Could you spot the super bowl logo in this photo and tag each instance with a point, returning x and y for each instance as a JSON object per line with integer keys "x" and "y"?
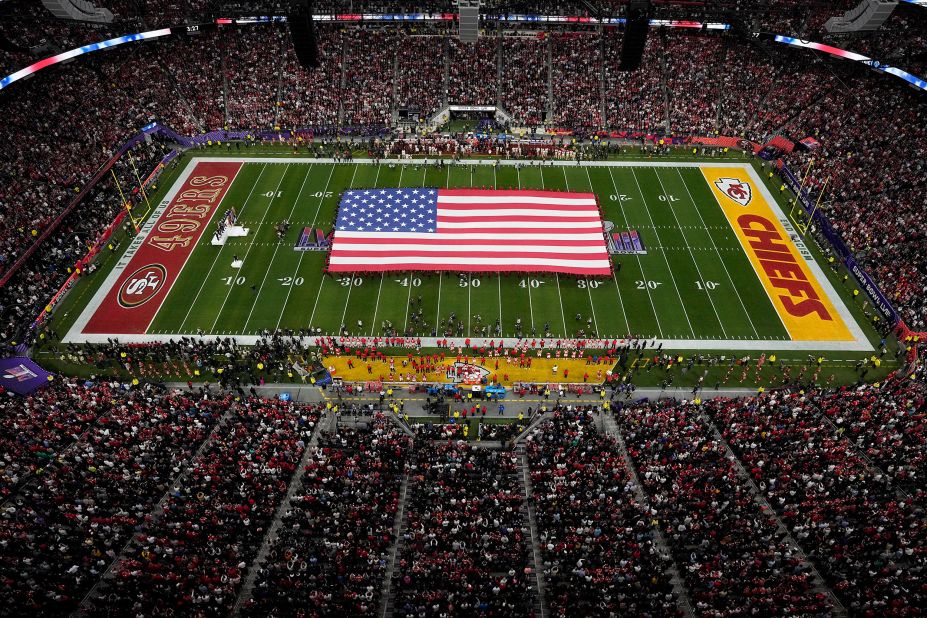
{"x": 142, "y": 286}
{"x": 465, "y": 373}
{"x": 736, "y": 189}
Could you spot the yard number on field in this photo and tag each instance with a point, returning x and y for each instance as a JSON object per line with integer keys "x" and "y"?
{"x": 618, "y": 197}
{"x": 669, "y": 198}
{"x": 290, "y": 281}
{"x": 708, "y": 285}
{"x": 472, "y": 282}
{"x": 234, "y": 280}
{"x": 406, "y": 282}
{"x": 643, "y": 285}
{"x": 530, "y": 283}
{"x": 346, "y": 281}
{"x": 587, "y": 283}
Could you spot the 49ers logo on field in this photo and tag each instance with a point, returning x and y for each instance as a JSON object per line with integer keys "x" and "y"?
{"x": 736, "y": 189}
{"x": 142, "y": 286}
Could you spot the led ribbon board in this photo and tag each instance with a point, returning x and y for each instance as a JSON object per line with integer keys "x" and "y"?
{"x": 915, "y": 81}
{"x": 79, "y": 51}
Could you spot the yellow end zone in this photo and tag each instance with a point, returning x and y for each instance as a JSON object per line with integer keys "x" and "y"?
{"x": 799, "y": 299}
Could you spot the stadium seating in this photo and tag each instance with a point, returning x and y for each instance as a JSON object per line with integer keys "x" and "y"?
{"x": 87, "y": 471}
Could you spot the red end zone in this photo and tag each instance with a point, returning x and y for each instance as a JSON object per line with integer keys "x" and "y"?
{"x": 135, "y": 297}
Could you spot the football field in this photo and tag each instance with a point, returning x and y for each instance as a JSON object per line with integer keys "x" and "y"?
{"x": 719, "y": 266}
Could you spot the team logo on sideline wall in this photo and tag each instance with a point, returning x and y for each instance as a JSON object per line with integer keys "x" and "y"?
{"x": 142, "y": 286}
{"x": 738, "y": 190}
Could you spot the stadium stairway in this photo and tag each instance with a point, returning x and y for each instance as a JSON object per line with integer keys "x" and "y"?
{"x": 330, "y": 423}
{"x": 820, "y": 587}
{"x": 534, "y": 556}
{"x": 682, "y": 597}
{"x": 391, "y": 579}
{"x": 155, "y": 514}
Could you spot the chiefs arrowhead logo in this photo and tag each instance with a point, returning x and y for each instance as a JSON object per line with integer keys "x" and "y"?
{"x": 738, "y": 190}
{"x": 142, "y": 286}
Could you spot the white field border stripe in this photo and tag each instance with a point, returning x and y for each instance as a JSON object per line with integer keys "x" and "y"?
{"x": 509, "y": 342}
{"x": 451, "y": 163}
{"x": 835, "y": 299}
{"x": 90, "y": 309}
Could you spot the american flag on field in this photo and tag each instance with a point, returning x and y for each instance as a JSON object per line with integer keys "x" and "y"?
{"x": 469, "y": 230}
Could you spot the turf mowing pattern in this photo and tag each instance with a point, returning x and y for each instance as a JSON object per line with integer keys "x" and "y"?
{"x": 695, "y": 283}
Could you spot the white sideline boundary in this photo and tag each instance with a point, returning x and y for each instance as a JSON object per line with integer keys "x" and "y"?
{"x": 859, "y": 344}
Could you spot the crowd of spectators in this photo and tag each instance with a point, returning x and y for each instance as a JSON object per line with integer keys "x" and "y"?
{"x": 472, "y": 77}
{"x": 728, "y": 549}
{"x": 523, "y": 88}
{"x": 193, "y": 554}
{"x": 84, "y": 466}
{"x": 597, "y": 541}
{"x": 465, "y": 544}
{"x": 331, "y": 550}
{"x": 865, "y": 534}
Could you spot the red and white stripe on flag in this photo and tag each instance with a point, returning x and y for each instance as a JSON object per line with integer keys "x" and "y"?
{"x": 469, "y": 230}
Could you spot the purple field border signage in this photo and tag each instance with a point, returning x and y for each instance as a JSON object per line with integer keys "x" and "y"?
{"x": 21, "y": 375}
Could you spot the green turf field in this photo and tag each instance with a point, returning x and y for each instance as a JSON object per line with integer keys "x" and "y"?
{"x": 695, "y": 286}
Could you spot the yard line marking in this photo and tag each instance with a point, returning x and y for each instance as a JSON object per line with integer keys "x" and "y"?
{"x": 405, "y": 321}
{"x": 723, "y": 264}
{"x": 319, "y": 293}
{"x": 566, "y": 333}
{"x": 595, "y": 321}
{"x": 469, "y": 279}
{"x": 215, "y": 260}
{"x": 640, "y": 265}
{"x": 499, "y": 281}
{"x": 665, "y": 259}
{"x": 614, "y": 277}
{"x": 377, "y": 308}
{"x": 691, "y": 254}
{"x": 347, "y": 300}
{"x": 303, "y": 253}
{"x": 248, "y": 250}
{"x": 274, "y": 256}
{"x": 528, "y": 280}
{"x": 438, "y": 310}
